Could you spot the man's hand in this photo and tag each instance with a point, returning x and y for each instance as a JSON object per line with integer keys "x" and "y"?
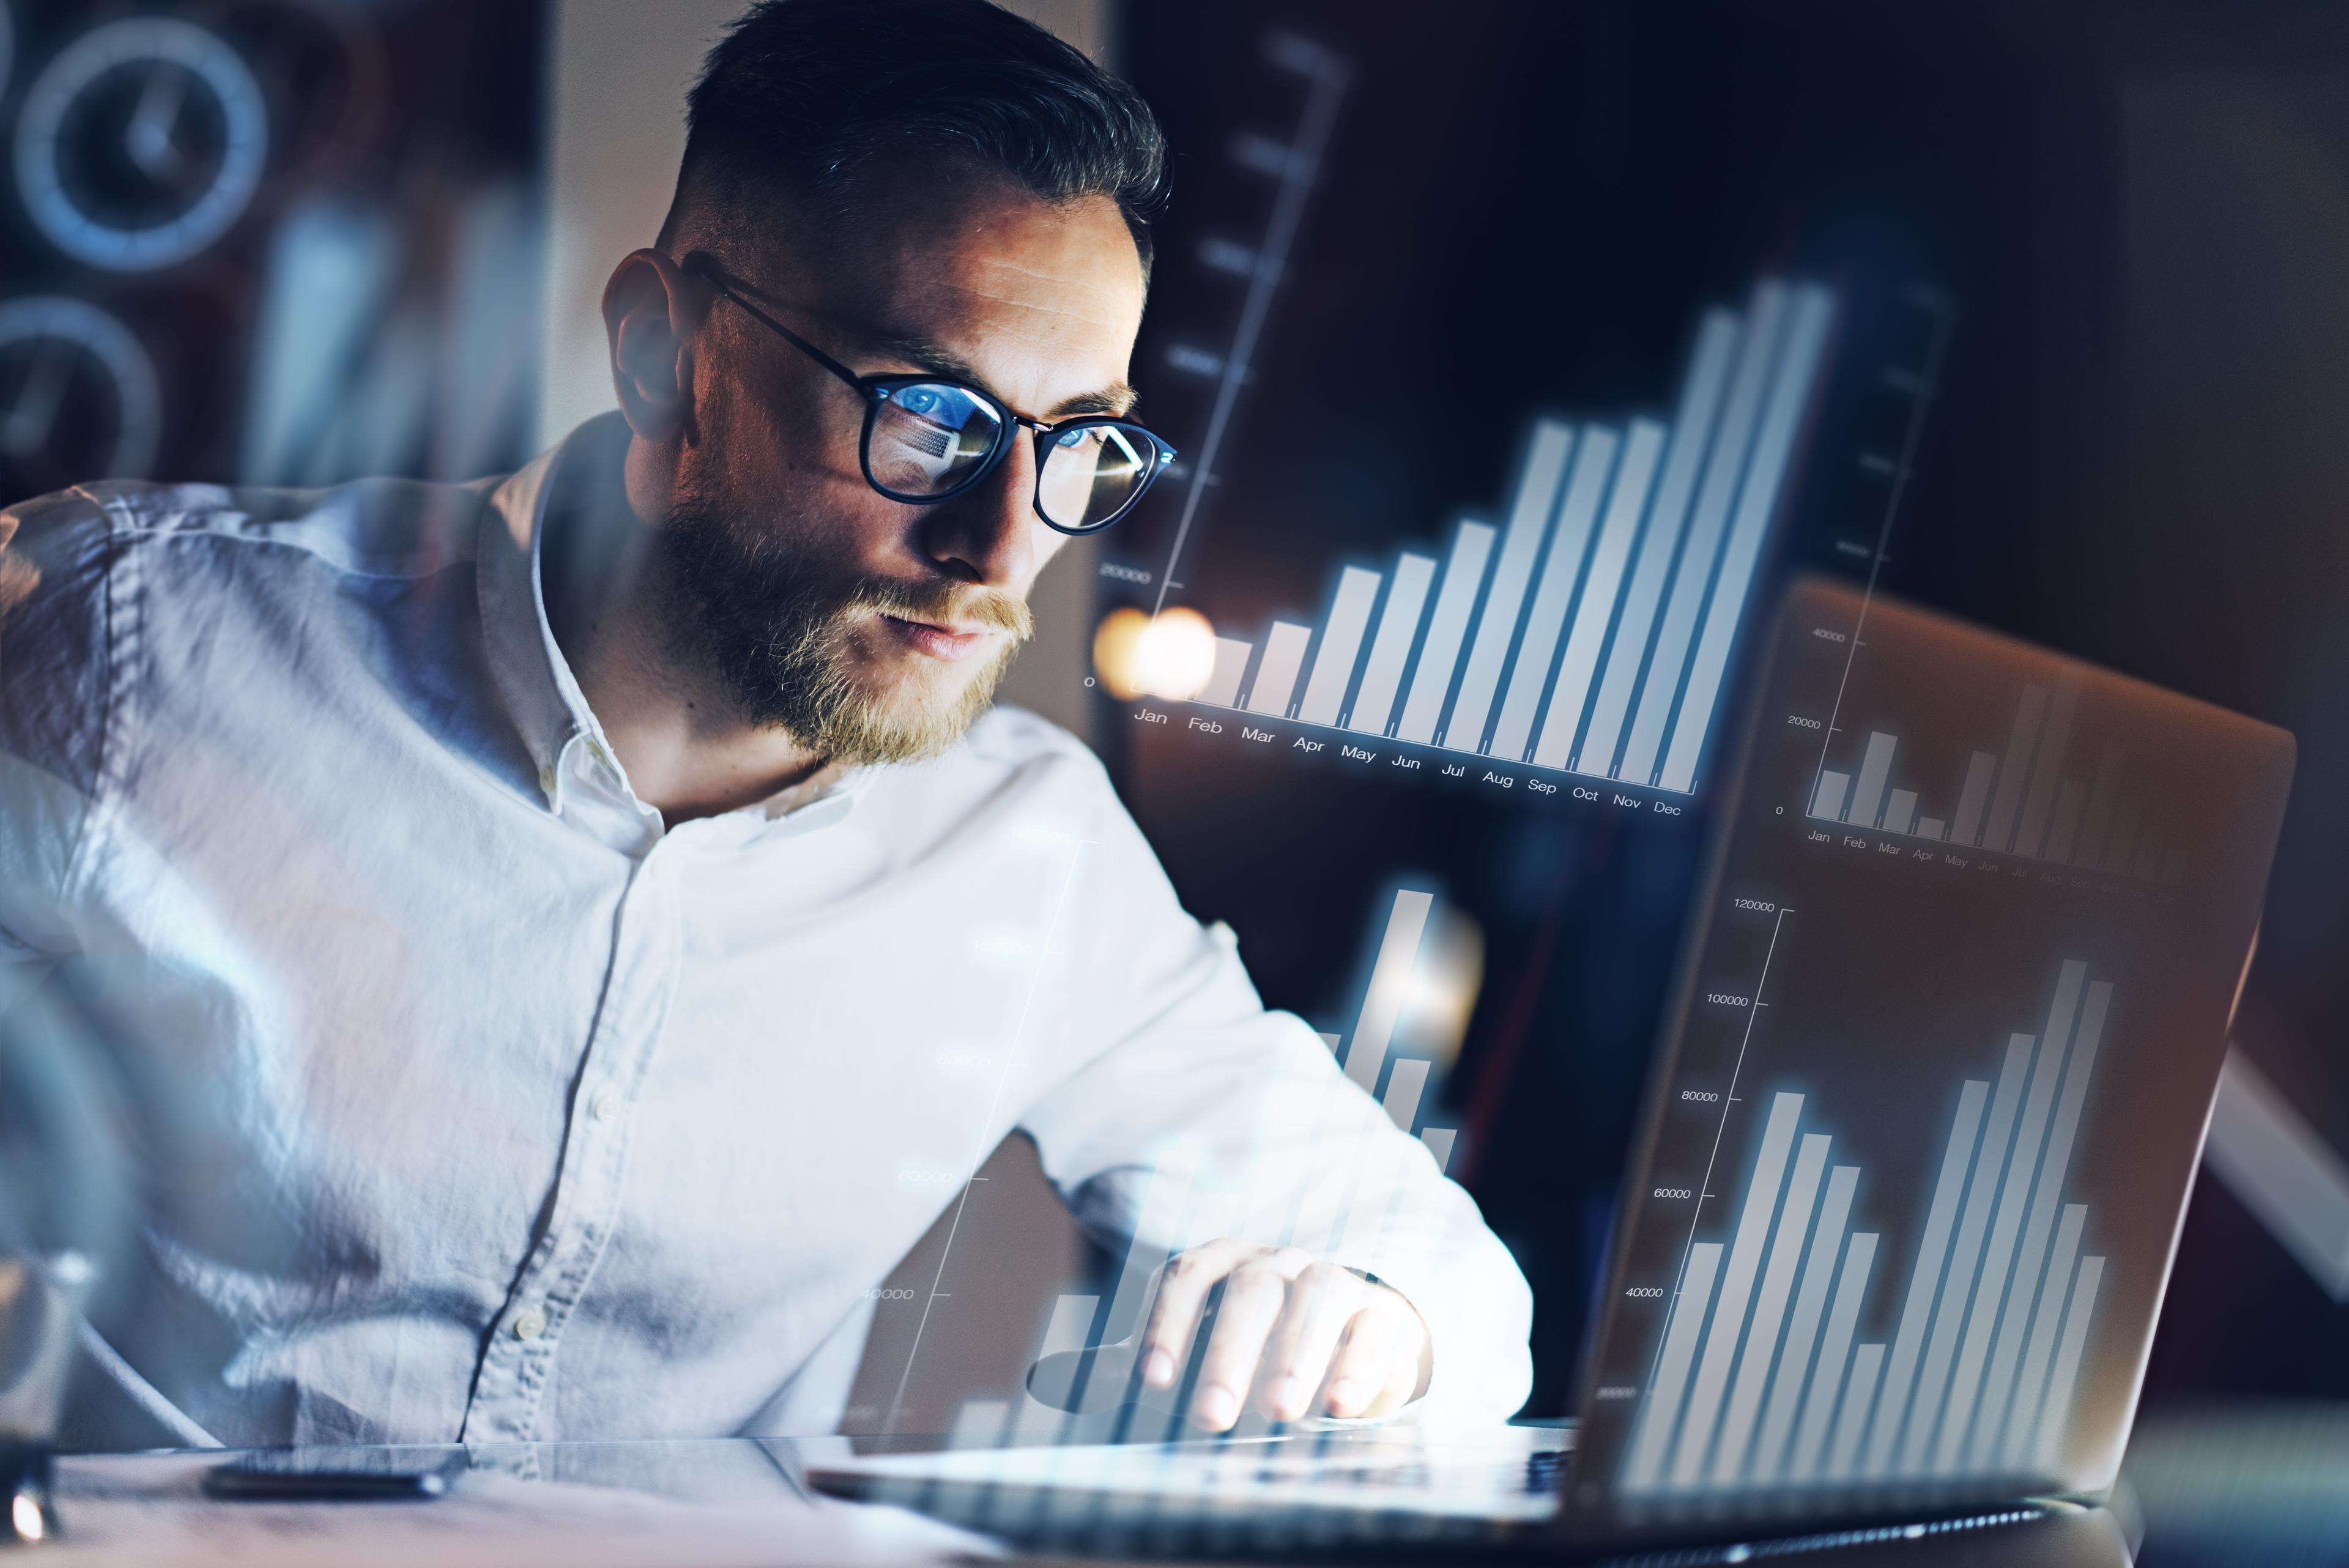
{"x": 1304, "y": 1334}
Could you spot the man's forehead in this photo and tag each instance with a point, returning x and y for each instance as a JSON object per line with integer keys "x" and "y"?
{"x": 1041, "y": 299}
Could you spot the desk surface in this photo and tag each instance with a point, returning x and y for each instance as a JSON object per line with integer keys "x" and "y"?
{"x": 687, "y": 1504}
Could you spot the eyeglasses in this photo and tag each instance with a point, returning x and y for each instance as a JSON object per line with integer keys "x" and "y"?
{"x": 927, "y": 440}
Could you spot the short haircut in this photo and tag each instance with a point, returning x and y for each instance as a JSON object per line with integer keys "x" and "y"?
{"x": 802, "y": 96}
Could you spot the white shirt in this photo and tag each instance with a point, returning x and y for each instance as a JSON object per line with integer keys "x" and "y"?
{"x": 478, "y": 1104}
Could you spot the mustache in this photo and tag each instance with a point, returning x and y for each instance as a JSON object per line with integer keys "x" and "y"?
{"x": 944, "y": 604}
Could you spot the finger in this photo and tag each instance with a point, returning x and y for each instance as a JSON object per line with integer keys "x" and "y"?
{"x": 1297, "y": 1355}
{"x": 1253, "y": 1295}
{"x": 1182, "y": 1294}
{"x": 1381, "y": 1348}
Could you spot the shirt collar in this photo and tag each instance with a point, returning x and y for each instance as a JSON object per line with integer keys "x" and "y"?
{"x": 533, "y": 679}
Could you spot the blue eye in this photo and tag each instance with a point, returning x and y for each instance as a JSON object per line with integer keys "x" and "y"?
{"x": 920, "y": 401}
{"x": 1068, "y": 438}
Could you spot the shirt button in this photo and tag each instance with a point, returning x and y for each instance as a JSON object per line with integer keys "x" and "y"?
{"x": 546, "y": 780}
{"x": 605, "y": 1106}
{"x": 530, "y": 1324}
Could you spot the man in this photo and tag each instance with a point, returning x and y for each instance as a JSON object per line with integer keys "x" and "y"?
{"x": 570, "y": 935}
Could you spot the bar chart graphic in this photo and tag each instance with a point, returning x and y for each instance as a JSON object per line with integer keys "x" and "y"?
{"x": 1397, "y": 978}
{"x": 1766, "y": 1377}
{"x": 1589, "y": 630}
{"x": 2036, "y": 799}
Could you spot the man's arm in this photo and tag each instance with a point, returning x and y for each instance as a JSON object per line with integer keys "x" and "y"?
{"x": 1225, "y": 1135}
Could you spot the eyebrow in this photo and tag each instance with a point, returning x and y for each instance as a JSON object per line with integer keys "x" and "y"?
{"x": 931, "y": 357}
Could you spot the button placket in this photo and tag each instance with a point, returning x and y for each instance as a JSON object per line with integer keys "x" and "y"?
{"x": 518, "y": 1361}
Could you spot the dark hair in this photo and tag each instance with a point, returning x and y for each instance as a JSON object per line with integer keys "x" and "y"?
{"x": 806, "y": 93}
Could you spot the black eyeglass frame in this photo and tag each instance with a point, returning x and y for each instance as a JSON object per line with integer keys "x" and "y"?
{"x": 876, "y": 391}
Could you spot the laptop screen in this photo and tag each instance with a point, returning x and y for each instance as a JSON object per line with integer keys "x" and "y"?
{"x": 1924, "y": 1120}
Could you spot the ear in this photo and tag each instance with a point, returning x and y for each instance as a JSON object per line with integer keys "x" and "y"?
{"x": 650, "y": 312}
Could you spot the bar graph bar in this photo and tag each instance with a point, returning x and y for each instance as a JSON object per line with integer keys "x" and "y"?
{"x": 1594, "y": 465}
{"x": 1820, "y": 1405}
{"x": 2035, "y": 812}
{"x": 2031, "y": 833}
{"x": 2065, "y": 1378}
{"x": 1341, "y": 640}
{"x": 1744, "y": 1407}
{"x": 1389, "y": 987}
{"x": 1925, "y": 1280}
{"x": 1900, "y": 811}
{"x": 1391, "y": 651}
{"x": 2022, "y": 1428}
{"x": 1594, "y": 616}
{"x": 1512, "y": 572}
{"x": 1858, "y": 1406}
{"x": 1724, "y": 468}
{"x": 1828, "y": 799}
{"x": 1981, "y": 1371}
{"x": 1600, "y": 617}
{"x": 1928, "y": 1402}
{"x": 2031, "y": 1259}
{"x": 1659, "y": 1416}
{"x": 1785, "y": 407}
{"x": 1998, "y": 1257}
{"x": 1447, "y": 630}
{"x": 1972, "y": 796}
{"x": 1736, "y": 1291}
{"x": 2019, "y": 746}
{"x": 1276, "y": 673}
{"x": 1405, "y": 1084}
{"x": 1770, "y": 1445}
{"x": 1070, "y": 1327}
{"x": 1393, "y": 982}
{"x": 1867, "y": 791}
{"x": 1223, "y": 687}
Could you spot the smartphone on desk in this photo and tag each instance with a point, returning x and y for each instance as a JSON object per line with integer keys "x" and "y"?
{"x": 336, "y": 1474}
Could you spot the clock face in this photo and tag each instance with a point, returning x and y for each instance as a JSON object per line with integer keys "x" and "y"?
{"x": 140, "y": 143}
{"x": 78, "y": 398}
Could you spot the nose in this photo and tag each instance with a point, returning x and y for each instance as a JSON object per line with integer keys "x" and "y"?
{"x": 988, "y": 537}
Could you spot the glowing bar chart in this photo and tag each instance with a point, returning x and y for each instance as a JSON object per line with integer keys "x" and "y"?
{"x": 1395, "y": 979}
{"x": 2035, "y": 800}
{"x": 1760, "y": 1378}
{"x": 1589, "y": 626}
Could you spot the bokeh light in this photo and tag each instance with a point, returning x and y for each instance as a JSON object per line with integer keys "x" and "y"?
{"x": 1169, "y": 654}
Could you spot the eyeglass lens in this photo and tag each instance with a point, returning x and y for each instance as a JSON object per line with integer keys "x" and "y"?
{"x": 1090, "y": 474}
{"x": 929, "y": 437}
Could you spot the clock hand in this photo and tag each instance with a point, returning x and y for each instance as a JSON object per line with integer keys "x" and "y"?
{"x": 149, "y": 137}
{"x": 26, "y": 427}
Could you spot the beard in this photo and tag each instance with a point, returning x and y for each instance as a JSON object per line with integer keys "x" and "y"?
{"x": 777, "y": 623}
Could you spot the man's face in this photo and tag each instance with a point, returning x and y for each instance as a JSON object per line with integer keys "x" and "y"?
{"x": 871, "y": 629}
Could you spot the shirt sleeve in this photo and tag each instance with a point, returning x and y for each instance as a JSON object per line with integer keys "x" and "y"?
{"x": 1206, "y": 1114}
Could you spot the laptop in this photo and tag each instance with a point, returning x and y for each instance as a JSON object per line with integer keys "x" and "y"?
{"x": 1914, "y": 1155}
